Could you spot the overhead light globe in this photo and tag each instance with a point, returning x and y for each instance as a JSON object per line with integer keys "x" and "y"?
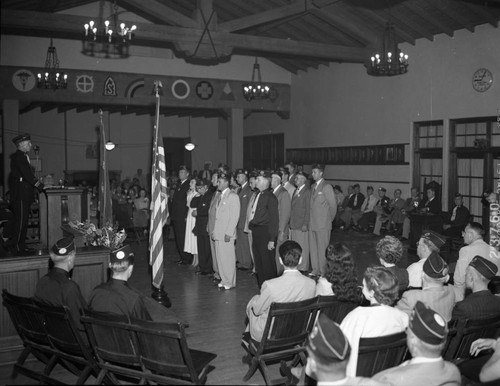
{"x": 109, "y": 145}
{"x": 189, "y": 146}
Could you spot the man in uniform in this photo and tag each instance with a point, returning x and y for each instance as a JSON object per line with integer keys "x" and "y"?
{"x": 323, "y": 211}
{"x": 56, "y": 287}
{"x": 23, "y": 182}
{"x": 429, "y": 242}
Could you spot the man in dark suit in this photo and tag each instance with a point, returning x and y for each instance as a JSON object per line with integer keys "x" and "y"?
{"x": 299, "y": 218}
{"x": 243, "y": 255}
{"x": 458, "y": 218}
{"x": 202, "y": 204}
{"x": 481, "y": 302}
{"x": 22, "y": 192}
{"x": 264, "y": 222}
{"x": 284, "y": 208}
{"x": 432, "y": 204}
{"x": 353, "y": 207}
{"x": 178, "y": 214}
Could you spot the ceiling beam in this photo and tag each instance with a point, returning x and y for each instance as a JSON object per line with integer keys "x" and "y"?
{"x": 69, "y": 26}
{"x": 296, "y": 8}
{"x": 418, "y": 28}
{"x": 451, "y": 12}
{"x": 482, "y": 12}
{"x": 415, "y": 7}
{"x": 161, "y": 12}
{"x": 383, "y": 22}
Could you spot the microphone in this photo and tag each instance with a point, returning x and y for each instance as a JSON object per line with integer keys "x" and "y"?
{"x": 36, "y": 148}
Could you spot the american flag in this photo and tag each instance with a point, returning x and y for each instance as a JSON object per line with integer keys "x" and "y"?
{"x": 158, "y": 202}
{"x": 105, "y": 207}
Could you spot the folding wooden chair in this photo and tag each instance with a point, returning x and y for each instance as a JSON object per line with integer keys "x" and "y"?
{"x": 284, "y": 338}
{"x": 335, "y": 309}
{"x": 468, "y": 331}
{"x": 30, "y": 325}
{"x": 380, "y": 353}
{"x": 166, "y": 357}
{"x": 71, "y": 346}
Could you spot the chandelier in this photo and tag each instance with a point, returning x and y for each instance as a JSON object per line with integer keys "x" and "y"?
{"x": 391, "y": 61}
{"x": 110, "y": 39}
{"x": 256, "y": 89}
{"x": 52, "y": 77}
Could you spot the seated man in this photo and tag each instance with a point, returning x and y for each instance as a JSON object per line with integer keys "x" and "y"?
{"x": 485, "y": 368}
{"x": 426, "y": 337}
{"x": 432, "y": 204}
{"x": 56, "y": 287}
{"x": 353, "y": 207}
{"x": 429, "y": 242}
{"x": 411, "y": 205}
{"x": 366, "y": 216}
{"x": 117, "y": 297}
{"x": 458, "y": 217}
{"x": 383, "y": 211}
{"x": 475, "y": 246}
{"x": 434, "y": 293}
{"x": 291, "y": 286}
{"x": 481, "y": 303}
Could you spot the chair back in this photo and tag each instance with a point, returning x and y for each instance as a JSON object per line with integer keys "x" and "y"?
{"x": 494, "y": 285}
{"x": 164, "y": 350}
{"x": 335, "y": 309}
{"x": 111, "y": 338}
{"x": 468, "y": 331}
{"x": 288, "y": 324}
{"x": 380, "y": 353}
{"x": 27, "y": 318}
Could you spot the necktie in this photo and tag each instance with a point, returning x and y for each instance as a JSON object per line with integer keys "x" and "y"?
{"x": 356, "y": 200}
{"x": 454, "y": 215}
{"x": 27, "y": 157}
{"x": 219, "y": 199}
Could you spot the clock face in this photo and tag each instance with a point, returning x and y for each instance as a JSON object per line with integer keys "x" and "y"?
{"x": 482, "y": 80}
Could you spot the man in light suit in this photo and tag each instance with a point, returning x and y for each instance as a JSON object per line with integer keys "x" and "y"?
{"x": 211, "y": 225}
{"x": 323, "y": 211}
{"x": 264, "y": 222}
{"x": 425, "y": 337}
{"x": 292, "y": 286}
{"x": 243, "y": 255}
{"x": 227, "y": 214}
{"x": 252, "y": 182}
{"x": 287, "y": 183}
{"x": 299, "y": 218}
{"x": 284, "y": 208}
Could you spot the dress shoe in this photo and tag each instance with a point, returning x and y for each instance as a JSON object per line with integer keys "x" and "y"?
{"x": 225, "y": 288}
{"x": 220, "y": 285}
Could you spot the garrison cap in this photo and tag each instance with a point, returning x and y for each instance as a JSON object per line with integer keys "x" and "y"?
{"x": 428, "y": 325}
{"x": 124, "y": 253}
{"x": 327, "y": 341}
{"x": 20, "y": 138}
{"x": 435, "y": 238}
{"x": 484, "y": 267}
{"x": 63, "y": 247}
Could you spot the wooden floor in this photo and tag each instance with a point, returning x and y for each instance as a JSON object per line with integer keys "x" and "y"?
{"x": 216, "y": 318}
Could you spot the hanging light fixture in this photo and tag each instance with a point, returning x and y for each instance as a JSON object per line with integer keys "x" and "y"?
{"x": 189, "y": 146}
{"x": 110, "y": 39}
{"x": 110, "y": 145}
{"x": 391, "y": 61}
{"x": 52, "y": 77}
{"x": 256, "y": 89}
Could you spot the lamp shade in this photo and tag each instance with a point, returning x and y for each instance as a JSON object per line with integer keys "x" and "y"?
{"x": 109, "y": 145}
{"x": 189, "y": 146}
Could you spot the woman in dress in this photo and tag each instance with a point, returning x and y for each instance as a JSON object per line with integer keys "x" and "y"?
{"x": 380, "y": 288}
{"x": 190, "y": 242}
{"x": 141, "y": 210}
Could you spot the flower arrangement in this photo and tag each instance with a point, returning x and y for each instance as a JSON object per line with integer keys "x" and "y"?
{"x": 108, "y": 236}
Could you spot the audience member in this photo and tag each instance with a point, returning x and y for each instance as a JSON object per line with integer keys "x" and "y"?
{"x": 382, "y": 210}
{"x": 323, "y": 211}
{"x": 457, "y": 218}
{"x": 475, "y": 246}
{"x": 342, "y": 207}
{"x": 201, "y": 205}
{"x": 291, "y": 286}
{"x": 141, "y": 213}
{"x": 429, "y": 242}
{"x": 353, "y": 208}
{"x": 426, "y": 338}
{"x": 481, "y": 302}
{"x": 389, "y": 252}
{"x": 380, "y": 288}
{"x": 243, "y": 255}
{"x": 366, "y": 214}
{"x": 264, "y": 223}
{"x": 56, "y": 287}
{"x": 434, "y": 293}
{"x": 490, "y": 364}
{"x": 141, "y": 178}
{"x": 299, "y": 218}
{"x": 411, "y": 206}
{"x": 190, "y": 242}
{"x": 227, "y": 214}
{"x": 431, "y": 204}
{"x": 284, "y": 208}
{"x": 178, "y": 215}
{"x": 340, "y": 277}
{"x": 397, "y": 217}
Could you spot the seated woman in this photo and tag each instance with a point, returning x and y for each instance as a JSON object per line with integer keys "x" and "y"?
{"x": 389, "y": 252}
{"x": 141, "y": 210}
{"x": 340, "y": 275}
{"x": 380, "y": 288}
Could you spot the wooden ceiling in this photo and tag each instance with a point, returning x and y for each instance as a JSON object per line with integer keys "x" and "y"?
{"x": 294, "y": 34}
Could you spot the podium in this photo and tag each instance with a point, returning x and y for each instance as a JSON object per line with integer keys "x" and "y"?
{"x": 58, "y": 207}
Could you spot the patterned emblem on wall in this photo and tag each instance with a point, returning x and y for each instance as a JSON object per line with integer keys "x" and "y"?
{"x": 109, "y": 87}
{"x": 23, "y": 80}
{"x": 180, "y": 89}
{"x": 133, "y": 87}
{"x": 204, "y": 90}
{"x": 84, "y": 83}
{"x": 227, "y": 93}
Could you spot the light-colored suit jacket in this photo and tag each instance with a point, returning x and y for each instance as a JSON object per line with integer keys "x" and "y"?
{"x": 440, "y": 299}
{"x": 323, "y": 207}
{"x": 244, "y": 196}
{"x": 284, "y": 208}
{"x": 290, "y": 188}
{"x": 291, "y": 286}
{"x": 301, "y": 208}
{"x": 227, "y": 214}
{"x": 417, "y": 374}
{"x": 211, "y": 212}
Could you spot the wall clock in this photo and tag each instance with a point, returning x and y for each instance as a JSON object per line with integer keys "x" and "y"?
{"x": 482, "y": 80}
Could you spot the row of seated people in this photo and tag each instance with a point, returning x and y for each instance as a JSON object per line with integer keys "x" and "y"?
{"x": 360, "y": 212}
{"x": 131, "y": 209}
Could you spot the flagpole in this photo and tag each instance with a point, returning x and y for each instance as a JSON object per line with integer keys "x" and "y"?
{"x": 159, "y": 209}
